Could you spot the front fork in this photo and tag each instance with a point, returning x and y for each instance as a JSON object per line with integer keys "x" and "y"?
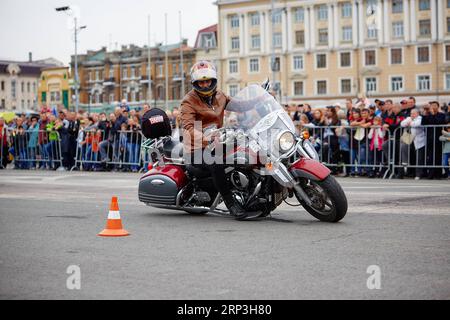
{"x": 303, "y": 168}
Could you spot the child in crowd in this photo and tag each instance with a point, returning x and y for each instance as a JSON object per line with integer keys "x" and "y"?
{"x": 376, "y": 138}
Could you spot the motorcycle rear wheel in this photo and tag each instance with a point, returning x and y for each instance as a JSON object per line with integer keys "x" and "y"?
{"x": 329, "y": 203}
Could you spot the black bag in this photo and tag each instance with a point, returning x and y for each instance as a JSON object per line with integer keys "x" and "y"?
{"x": 156, "y": 124}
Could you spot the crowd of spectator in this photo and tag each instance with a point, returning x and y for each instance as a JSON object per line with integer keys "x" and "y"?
{"x": 365, "y": 137}
{"x": 354, "y": 140}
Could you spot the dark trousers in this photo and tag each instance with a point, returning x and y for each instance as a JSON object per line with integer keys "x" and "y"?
{"x": 434, "y": 158}
{"x": 215, "y": 170}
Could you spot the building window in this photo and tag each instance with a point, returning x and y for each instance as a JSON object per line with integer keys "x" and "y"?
{"x": 208, "y": 41}
{"x": 174, "y": 70}
{"x": 447, "y": 81}
{"x": 321, "y": 87}
{"x": 322, "y": 12}
{"x": 234, "y": 21}
{"x": 34, "y": 87}
{"x": 396, "y": 56}
{"x": 276, "y": 16}
{"x": 423, "y": 54}
{"x": 13, "y": 89}
{"x": 371, "y": 85}
{"x": 425, "y": 27}
{"x": 346, "y": 85}
{"x": 22, "y": 87}
{"x": 346, "y": 60}
{"x": 235, "y": 43}
{"x": 397, "y": 29}
{"x": 298, "y": 88}
{"x": 448, "y": 4}
{"x": 233, "y": 90}
{"x": 300, "y": 38}
{"x": 347, "y": 34}
{"x": 424, "y": 83}
{"x": 28, "y": 87}
{"x": 111, "y": 72}
{"x": 370, "y": 57}
{"x": 233, "y": 66}
{"x": 254, "y": 19}
{"x": 3, "y": 85}
{"x": 254, "y": 65}
{"x": 3, "y": 105}
{"x": 372, "y": 32}
{"x": 346, "y": 10}
{"x": 397, "y": 6}
{"x": 298, "y": 63}
{"x": 321, "y": 61}
{"x": 256, "y": 41}
{"x": 447, "y": 53}
{"x": 160, "y": 70}
{"x": 55, "y": 96}
{"x": 277, "y": 40}
{"x": 323, "y": 36}
{"x": 396, "y": 84}
{"x": 125, "y": 73}
{"x": 275, "y": 64}
{"x": 448, "y": 25}
{"x": 299, "y": 15}
{"x": 111, "y": 98}
{"x": 424, "y": 4}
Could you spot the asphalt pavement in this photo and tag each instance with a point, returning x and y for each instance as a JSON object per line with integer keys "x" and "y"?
{"x": 394, "y": 243}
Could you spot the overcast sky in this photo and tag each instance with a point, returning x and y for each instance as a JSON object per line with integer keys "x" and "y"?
{"x": 35, "y": 26}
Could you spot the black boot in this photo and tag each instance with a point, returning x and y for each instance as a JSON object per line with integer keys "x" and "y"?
{"x": 236, "y": 209}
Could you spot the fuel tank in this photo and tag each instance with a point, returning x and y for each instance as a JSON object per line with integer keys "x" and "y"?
{"x": 161, "y": 185}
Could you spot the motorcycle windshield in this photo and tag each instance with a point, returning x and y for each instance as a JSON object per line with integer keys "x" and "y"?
{"x": 254, "y": 108}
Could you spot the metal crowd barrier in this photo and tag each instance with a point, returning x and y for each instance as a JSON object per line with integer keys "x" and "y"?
{"x": 35, "y": 149}
{"x": 347, "y": 150}
{"x": 418, "y": 151}
{"x": 119, "y": 151}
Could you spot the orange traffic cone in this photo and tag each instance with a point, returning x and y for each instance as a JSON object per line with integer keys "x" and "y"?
{"x": 114, "y": 224}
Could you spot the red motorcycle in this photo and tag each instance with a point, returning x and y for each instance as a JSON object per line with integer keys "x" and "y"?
{"x": 266, "y": 164}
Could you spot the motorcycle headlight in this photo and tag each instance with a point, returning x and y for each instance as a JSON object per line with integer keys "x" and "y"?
{"x": 286, "y": 141}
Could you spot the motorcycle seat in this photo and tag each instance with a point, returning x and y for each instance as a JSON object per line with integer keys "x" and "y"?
{"x": 197, "y": 172}
{"x": 173, "y": 148}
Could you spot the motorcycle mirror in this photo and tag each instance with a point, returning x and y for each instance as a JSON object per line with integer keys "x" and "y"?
{"x": 266, "y": 85}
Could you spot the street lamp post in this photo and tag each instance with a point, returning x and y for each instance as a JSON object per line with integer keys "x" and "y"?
{"x": 76, "y": 30}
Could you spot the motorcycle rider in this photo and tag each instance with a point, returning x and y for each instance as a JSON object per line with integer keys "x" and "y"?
{"x": 205, "y": 106}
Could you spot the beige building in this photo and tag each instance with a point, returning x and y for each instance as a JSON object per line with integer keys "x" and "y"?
{"x": 328, "y": 50}
{"x": 19, "y": 83}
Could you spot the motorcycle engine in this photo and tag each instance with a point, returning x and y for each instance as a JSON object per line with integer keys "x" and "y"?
{"x": 240, "y": 180}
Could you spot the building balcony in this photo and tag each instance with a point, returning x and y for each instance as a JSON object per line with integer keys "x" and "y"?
{"x": 177, "y": 77}
{"x": 144, "y": 80}
{"x": 109, "y": 82}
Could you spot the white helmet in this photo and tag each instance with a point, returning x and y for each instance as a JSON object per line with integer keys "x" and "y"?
{"x": 202, "y": 71}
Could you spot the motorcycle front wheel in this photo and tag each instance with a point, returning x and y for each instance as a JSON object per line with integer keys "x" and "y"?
{"x": 328, "y": 200}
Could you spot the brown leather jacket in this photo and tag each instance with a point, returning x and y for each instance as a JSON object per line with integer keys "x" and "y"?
{"x": 196, "y": 115}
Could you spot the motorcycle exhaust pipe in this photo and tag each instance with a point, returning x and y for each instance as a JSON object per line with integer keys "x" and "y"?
{"x": 195, "y": 210}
